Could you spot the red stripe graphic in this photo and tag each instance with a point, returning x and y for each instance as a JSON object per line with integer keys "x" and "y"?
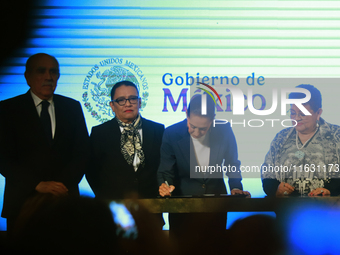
{"x": 213, "y": 90}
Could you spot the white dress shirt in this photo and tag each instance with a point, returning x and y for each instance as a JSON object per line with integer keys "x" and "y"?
{"x": 202, "y": 149}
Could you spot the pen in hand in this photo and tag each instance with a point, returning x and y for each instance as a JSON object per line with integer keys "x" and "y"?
{"x": 167, "y": 184}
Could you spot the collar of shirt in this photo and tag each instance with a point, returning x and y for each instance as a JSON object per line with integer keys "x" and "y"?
{"x": 37, "y": 100}
{"x": 204, "y": 140}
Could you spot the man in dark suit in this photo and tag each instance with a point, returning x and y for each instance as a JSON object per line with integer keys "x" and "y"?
{"x": 43, "y": 139}
{"x": 125, "y": 150}
{"x": 193, "y": 156}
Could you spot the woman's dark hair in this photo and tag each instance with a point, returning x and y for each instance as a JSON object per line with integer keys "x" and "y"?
{"x": 122, "y": 83}
{"x": 195, "y": 107}
{"x": 315, "y": 101}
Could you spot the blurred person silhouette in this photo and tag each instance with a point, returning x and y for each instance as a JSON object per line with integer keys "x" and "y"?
{"x": 256, "y": 234}
{"x": 49, "y": 224}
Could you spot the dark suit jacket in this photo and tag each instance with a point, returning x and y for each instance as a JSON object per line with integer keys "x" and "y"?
{"x": 27, "y": 158}
{"x": 110, "y": 176}
{"x": 178, "y": 160}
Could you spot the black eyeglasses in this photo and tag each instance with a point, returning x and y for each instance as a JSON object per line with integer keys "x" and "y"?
{"x": 294, "y": 114}
{"x": 122, "y": 101}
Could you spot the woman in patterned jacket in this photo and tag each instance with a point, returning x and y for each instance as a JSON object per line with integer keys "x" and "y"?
{"x": 304, "y": 160}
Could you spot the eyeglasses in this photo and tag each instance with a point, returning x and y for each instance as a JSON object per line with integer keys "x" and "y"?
{"x": 122, "y": 101}
{"x": 293, "y": 114}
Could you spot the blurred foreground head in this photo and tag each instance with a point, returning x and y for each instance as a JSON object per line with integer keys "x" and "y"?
{"x": 65, "y": 225}
{"x": 256, "y": 234}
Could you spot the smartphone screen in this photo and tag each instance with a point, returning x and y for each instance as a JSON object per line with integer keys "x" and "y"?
{"x": 126, "y": 226}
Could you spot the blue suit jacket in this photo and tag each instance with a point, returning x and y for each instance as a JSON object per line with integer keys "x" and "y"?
{"x": 178, "y": 160}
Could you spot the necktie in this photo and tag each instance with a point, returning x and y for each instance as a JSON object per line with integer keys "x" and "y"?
{"x": 46, "y": 120}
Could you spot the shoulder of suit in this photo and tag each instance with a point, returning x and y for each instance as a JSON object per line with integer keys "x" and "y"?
{"x": 152, "y": 123}
{"x": 15, "y": 104}
{"x": 60, "y": 98}
{"x": 12, "y": 104}
{"x": 221, "y": 130}
{"x": 106, "y": 124}
{"x": 14, "y": 100}
{"x": 28, "y": 96}
{"x": 177, "y": 125}
{"x": 179, "y": 128}
{"x": 112, "y": 123}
